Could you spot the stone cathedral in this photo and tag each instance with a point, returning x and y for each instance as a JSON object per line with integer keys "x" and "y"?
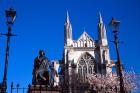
{"x": 81, "y": 57}
{"x": 85, "y": 55}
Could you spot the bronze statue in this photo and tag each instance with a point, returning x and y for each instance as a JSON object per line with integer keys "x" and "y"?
{"x": 40, "y": 71}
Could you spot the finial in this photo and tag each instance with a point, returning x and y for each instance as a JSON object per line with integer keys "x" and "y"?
{"x": 67, "y": 20}
{"x": 67, "y": 13}
{"x": 84, "y": 29}
{"x": 100, "y": 18}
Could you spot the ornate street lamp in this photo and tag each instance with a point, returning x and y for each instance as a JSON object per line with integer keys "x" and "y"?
{"x": 114, "y": 25}
{"x": 10, "y": 15}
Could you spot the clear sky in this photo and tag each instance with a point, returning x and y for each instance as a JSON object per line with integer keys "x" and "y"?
{"x": 40, "y": 25}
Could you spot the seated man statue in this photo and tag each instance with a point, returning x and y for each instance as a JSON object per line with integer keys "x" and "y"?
{"x": 40, "y": 71}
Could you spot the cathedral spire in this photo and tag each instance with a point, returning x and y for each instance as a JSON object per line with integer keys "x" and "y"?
{"x": 68, "y": 31}
{"x": 103, "y": 46}
{"x": 102, "y": 32}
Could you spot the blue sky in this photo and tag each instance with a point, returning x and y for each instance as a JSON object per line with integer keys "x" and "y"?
{"x": 40, "y": 25}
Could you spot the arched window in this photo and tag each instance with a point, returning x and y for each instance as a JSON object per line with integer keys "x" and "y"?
{"x": 85, "y": 69}
{"x": 84, "y": 73}
{"x": 80, "y": 73}
{"x": 86, "y": 65}
{"x": 90, "y": 70}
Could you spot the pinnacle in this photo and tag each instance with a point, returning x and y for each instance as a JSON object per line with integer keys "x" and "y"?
{"x": 100, "y": 18}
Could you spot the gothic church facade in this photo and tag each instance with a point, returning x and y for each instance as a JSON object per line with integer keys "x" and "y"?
{"x": 85, "y": 55}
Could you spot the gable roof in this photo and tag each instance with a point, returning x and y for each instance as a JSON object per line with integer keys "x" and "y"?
{"x": 85, "y": 36}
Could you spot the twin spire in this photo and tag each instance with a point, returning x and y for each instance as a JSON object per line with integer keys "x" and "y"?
{"x": 68, "y": 19}
{"x": 101, "y": 31}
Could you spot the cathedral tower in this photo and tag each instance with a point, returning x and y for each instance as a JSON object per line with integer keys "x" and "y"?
{"x": 103, "y": 47}
{"x": 67, "y": 31}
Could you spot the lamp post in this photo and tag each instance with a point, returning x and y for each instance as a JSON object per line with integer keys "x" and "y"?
{"x": 114, "y": 24}
{"x": 10, "y": 15}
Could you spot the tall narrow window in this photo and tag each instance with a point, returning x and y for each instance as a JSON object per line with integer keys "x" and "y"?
{"x": 80, "y": 74}
{"x": 90, "y": 70}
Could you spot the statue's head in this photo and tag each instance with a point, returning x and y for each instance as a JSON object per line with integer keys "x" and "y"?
{"x": 41, "y": 52}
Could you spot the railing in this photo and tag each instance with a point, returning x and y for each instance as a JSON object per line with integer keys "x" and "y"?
{"x": 48, "y": 89}
{"x": 17, "y": 89}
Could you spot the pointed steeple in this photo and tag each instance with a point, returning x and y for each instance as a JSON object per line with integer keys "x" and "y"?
{"x": 68, "y": 31}
{"x": 103, "y": 46}
{"x": 102, "y": 32}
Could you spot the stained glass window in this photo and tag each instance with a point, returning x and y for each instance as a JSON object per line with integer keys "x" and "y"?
{"x": 86, "y": 65}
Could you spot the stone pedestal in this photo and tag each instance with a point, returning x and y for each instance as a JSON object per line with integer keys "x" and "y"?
{"x": 44, "y": 89}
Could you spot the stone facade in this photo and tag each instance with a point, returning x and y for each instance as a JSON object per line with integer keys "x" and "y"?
{"x": 85, "y": 55}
